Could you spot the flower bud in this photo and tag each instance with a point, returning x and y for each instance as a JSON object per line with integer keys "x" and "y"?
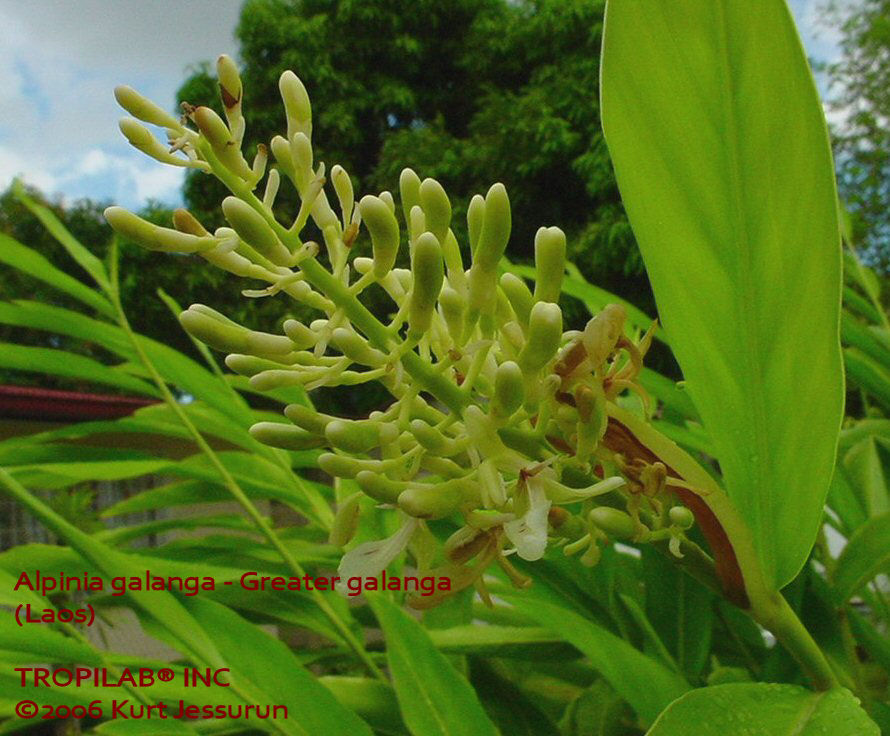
{"x": 282, "y": 153}
{"x": 297, "y": 107}
{"x": 409, "y": 192}
{"x": 356, "y": 348}
{"x": 452, "y": 306}
{"x": 252, "y": 227}
{"x": 141, "y": 139}
{"x": 300, "y": 335}
{"x": 223, "y": 334}
{"x": 602, "y": 333}
{"x": 384, "y": 230}
{"x": 285, "y": 436}
{"x": 379, "y": 487}
{"x": 592, "y": 420}
{"x": 386, "y": 196}
{"x": 144, "y": 109}
{"x": 416, "y": 223}
{"x": 230, "y": 89}
{"x": 224, "y": 146}
{"x": 509, "y": 391}
{"x": 682, "y": 517}
{"x": 186, "y": 222}
{"x": 544, "y": 335}
{"x": 550, "y": 263}
{"x": 353, "y": 436}
{"x": 617, "y": 524}
{"x": 301, "y": 155}
{"x": 519, "y": 296}
{"x": 339, "y": 466}
{"x": 436, "y": 208}
{"x": 345, "y": 195}
{"x": 429, "y": 272}
{"x": 307, "y": 418}
{"x": 154, "y": 237}
{"x": 495, "y": 230}
{"x": 432, "y": 439}
{"x": 345, "y": 521}
{"x": 475, "y": 216}
{"x": 433, "y": 501}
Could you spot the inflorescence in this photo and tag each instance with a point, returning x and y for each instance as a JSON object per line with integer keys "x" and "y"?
{"x": 498, "y": 415}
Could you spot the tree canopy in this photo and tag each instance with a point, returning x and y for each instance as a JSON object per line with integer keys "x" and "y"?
{"x": 466, "y": 91}
{"x": 860, "y": 82}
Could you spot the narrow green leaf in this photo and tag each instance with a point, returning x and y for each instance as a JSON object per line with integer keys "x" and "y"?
{"x": 265, "y": 670}
{"x": 434, "y": 698}
{"x": 45, "y": 644}
{"x": 29, "y": 261}
{"x": 867, "y": 553}
{"x": 162, "y": 607}
{"x": 868, "y": 375}
{"x": 79, "y": 252}
{"x": 373, "y": 700}
{"x": 680, "y": 609}
{"x": 643, "y": 682}
{"x": 760, "y": 709}
{"x": 722, "y": 157}
{"x": 39, "y": 316}
{"x": 865, "y": 471}
{"x": 62, "y": 363}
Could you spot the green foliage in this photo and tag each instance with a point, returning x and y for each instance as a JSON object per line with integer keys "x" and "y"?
{"x": 764, "y": 710}
{"x": 467, "y": 93}
{"x": 745, "y": 266}
{"x": 862, "y": 136}
{"x": 641, "y": 636}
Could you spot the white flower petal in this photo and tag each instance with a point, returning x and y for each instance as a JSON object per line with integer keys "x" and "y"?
{"x": 529, "y": 533}
{"x": 371, "y": 558}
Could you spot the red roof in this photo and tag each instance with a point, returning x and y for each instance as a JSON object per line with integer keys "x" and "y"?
{"x": 25, "y": 402}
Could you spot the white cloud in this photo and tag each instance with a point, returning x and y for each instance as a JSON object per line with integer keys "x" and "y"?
{"x": 60, "y": 63}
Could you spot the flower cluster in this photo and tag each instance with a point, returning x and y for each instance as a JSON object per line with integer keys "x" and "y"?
{"x": 498, "y": 414}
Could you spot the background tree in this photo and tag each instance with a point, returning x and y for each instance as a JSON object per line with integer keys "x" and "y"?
{"x": 861, "y": 85}
{"x": 466, "y": 91}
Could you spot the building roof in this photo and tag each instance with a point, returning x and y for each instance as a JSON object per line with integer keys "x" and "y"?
{"x": 43, "y": 404}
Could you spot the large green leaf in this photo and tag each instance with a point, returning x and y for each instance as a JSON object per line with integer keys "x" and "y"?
{"x": 723, "y": 162}
{"x": 434, "y": 698}
{"x": 760, "y": 709}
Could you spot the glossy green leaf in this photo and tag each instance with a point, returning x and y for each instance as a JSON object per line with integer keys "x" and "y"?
{"x": 722, "y": 158}
{"x": 642, "y": 681}
{"x": 760, "y": 709}
{"x": 434, "y": 698}
{"x": 29, "y": 261}
{"x": 866, "y": 554}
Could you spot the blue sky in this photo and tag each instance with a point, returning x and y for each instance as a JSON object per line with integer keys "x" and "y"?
{"x": 61, "y": 59}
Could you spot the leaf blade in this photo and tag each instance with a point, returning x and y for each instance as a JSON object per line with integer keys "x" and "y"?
{"x": 710, "y": 146}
